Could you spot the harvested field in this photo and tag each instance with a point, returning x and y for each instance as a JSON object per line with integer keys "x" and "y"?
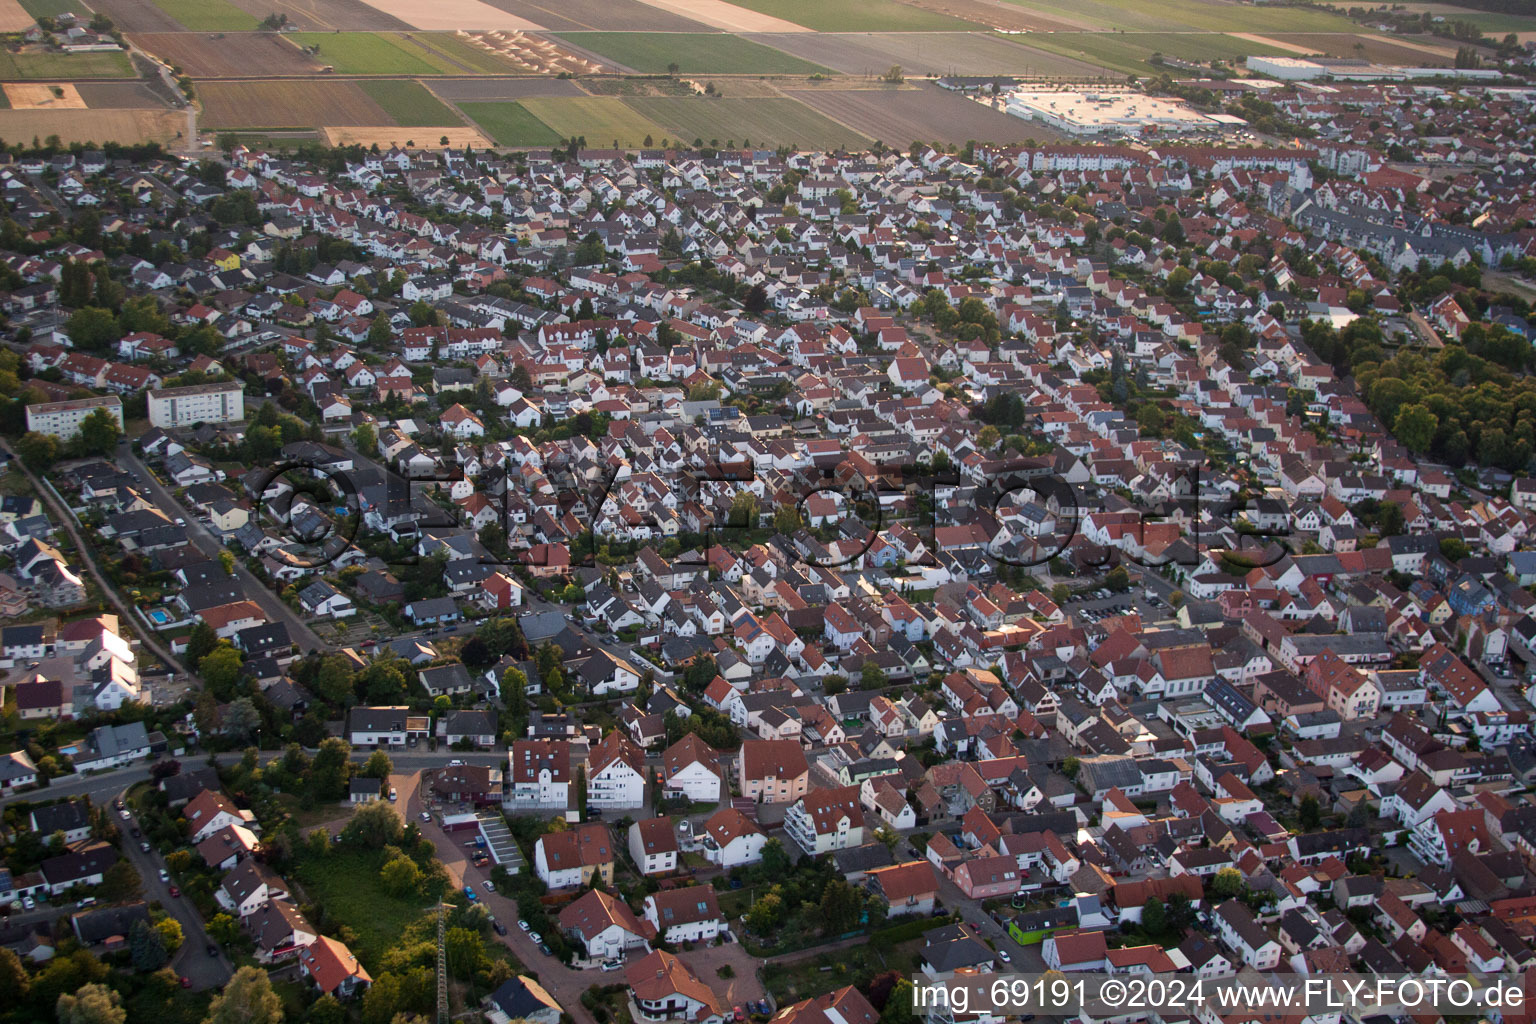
{"x": 392, "y": 135}
{"x": 1191, "y": 15}
{"x": 325, "y": 15}
{"x": 928, "y": 54}
{"x": 408, "y": 102}
{"x": 765, "y": 122}
{"x": 119, "y": 96}
{"x": 927, "y": 113}
{"x": 308, "y": 104}
{"x": 693, "y": 53}
{"x": 485, "y": 89}
{"x": 63, "y": 67}
{"x": 230, "y": 56}
{"x": 510, "y": 124}
{"x": 370, "y": 53}
{"x": 92, "y": 126}
{"x": 40, "y": 96}
{"x": 1000, "y": 15}
{"x": 1300, "y": 51}
{"x": 138, "y": 16}
{"x": 1129, "y": 51}
{"x": 857, "y": 16}
{"x": 464, "y": 51}
{"x": 537, "y": 53}
{"x": 451, "y": 15}
{"x": 208, "y": 15}
{"x": 599, "y": 15}
{"x": 1371, "y": 47}
{"x": 603, "y": 121}
{"x": 14, "y": 17}
{"x": 728, "y": 17}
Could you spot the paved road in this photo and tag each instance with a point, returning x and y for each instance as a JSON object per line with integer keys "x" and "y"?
{"x": 192, "y": 960}
{"x": 130, "y": 620}
{"x": 210, "y": 545}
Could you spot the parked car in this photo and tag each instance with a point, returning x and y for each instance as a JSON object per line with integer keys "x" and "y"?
{"x": 469, "y": 894}
{"x": 425, "y": 816}
{"x": 538, "y": 940}
{"x": 525, "y": 926}
{"x": 545, "y": 950}
{"x": 186, "y": 982}
{"x": 488, "y": 885}
{"x": 144, "y": 847}
{"x": 165, "y": 876}
{"x": 175, "y": 891}
{"x": 392, "y": 794}
{"x": 211, "y": 949}
{"x": 498, "y": 927}
{"x": 613, "y": 965}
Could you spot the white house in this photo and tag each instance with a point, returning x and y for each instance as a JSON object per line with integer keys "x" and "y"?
{"x": 615, "y": 773}
{"x": 691, "y": 914}
{"x": 603, "y": 926}
{"x": 653, "y": 846}
{"x": 825, "y": 820}
{"x": 691, "y": 768}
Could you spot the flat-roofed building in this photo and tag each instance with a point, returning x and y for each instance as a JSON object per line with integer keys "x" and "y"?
{"x": 62, "y": 419}
{"x": 197, "y": 403}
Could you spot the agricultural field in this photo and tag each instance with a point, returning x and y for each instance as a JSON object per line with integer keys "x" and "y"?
{"x": 929, "y": 53}
{"x": 137, "y": 16}
{"x": 1129, "y": 51}
{"x": 486, "y": 89}
{"x": 51, "y": 8}
{"x": 927, "y": 114}
{"x": 693, "y": 53}
{"x": 1189, "y": 16}
{"x": 510, "y": 124}
{"x": 37, "y": 96}
{"x": 229, "y": 56}
{"x": 858, "y": 16}
{"x": 371, "y": 53}
{"x": 129, "y": 127}
{"x": 408, "y": 102}
{"x": 602, "y": 121}
{"x": 1491, "y": 22}
{"x": 63, "y": 67}
{"x": 599, "y": 15}
{"x": 14, "y": 17}
{"x": 462, "y": 55}
{"x": 762, "y": 122}
{"x": 388, "y": 135}
{"x": 999, "y": 15}
{"x": 208, "y": 15}
{"x": 452, "y": 15}
{"x": 1382, "y": 49}
{"x": 119, "y": 96}
{"x": 292, "y": 104}
{"x": 325, "y": 15}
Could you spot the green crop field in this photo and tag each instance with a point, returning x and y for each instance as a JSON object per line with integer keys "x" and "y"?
{"x": 370, "y": 53}
{"x": 51, "y": 8}
{"x": 409, "y": 103}
{"x": 64, "y": 67}
{"x": 1209, "y": 16}
{"x": 510, "y": 124}
{"x": 208, "y": 15}
{"x": 1128, "y": 51}
{"x": 857, "y": 15}
{"x": 603, "y": 121}
{"x": 692, "y": 52}
{"x": 762, "y": 122}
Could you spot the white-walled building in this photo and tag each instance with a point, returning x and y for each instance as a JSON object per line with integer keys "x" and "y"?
{"x": 62, "y": 419}
{"x": 197, "y": 403}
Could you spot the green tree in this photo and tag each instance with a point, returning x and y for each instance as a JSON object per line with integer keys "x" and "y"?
{"x": 871, "y": 676}
{"x": 1454, "y": 548}
{"x": 1226, "y": 884}
{"x": 224, "y": 929}
{"x": 374, "y": 825}
{"x": 1118, "y": 580}
{"x": 765, "y": 914}
{"x": 465, "y": 950}
{"x": 1415, "y": 427}
{"x": 898, "y": 1005}
{"x": 326, "y": 1010}
{"x": 1154, "y": 917}
{"x": 775, "y": 859}
{"x": 120, "y": 883}
{"x": 169, "y": 930}
{"x": 400, "y": 876}
{"x": 1061, "y": 593}
{"x": 1310, "y": 813}
{"x": 786, "y": 520}
{"x": 90, "y": 1004}
{"x": 1178, "y": 281}
{"x": 38, "y": 451}
{"x": 99, "y": 433}
{"x": 379, "y": 766}
{"x": 365, "y": 439}
{"x": 93, "y": 329}
{"x": 220, "y": 669}
{"x": 247, "y": 999}
{"x": 146, "y": 949}
{"x": 241, "y": 719}
{"x": 13, "y": 976}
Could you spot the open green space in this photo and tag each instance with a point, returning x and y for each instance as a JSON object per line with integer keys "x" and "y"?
{"x": 369, "y": 53}
{"x": 1131, "y": 51}
{"x": 1215, "y": 16}
{"x": 51, "y": 8}
{"x": 408, "y": 102}
{"x": 857, "y": 15}
{"x": 1491, "y": 22}
{"x": 64, "y": 67}
{"x": 511, "y": 124}
{"x": 208, "y": 15}
{"x": 345, "y": 881}
{"x": 692, "y": 53}
{"x": 763, "y": 122}
{"x": 603, "y": 121}
{"x": 800, "y": 979}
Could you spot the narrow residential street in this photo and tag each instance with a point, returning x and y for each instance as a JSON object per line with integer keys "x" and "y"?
{"x": 210, "y": 545}
{"x": 192, "y": 960}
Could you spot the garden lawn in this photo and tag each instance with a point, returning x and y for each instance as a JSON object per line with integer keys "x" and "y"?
{"x": 692, "y": 52}
{"x": 856, "y": 965}
{"x": 368, "y": 53}
{"x": 409, "y": 103}
{"x": 346, "y": 883}
{"x": 208, "y": 15}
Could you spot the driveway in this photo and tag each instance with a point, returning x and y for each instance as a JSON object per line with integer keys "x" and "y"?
{"x": 192, "y": 960}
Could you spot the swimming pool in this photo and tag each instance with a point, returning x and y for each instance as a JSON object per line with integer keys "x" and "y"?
{"x": 159, "y": 616}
